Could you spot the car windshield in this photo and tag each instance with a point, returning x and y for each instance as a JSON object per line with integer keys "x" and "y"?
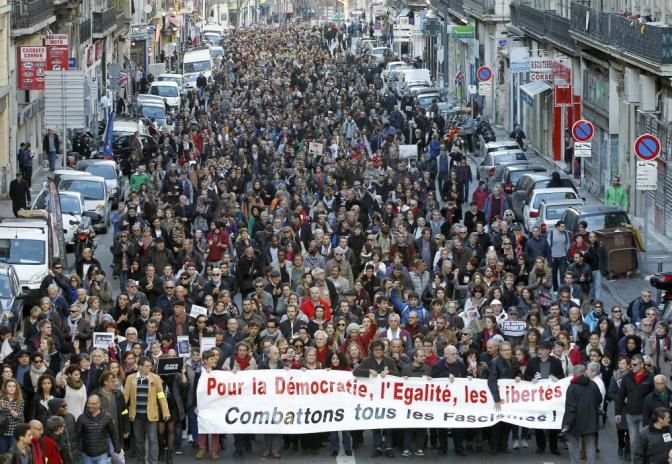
{"x": 516, "y": 175}
{"x": 90, "y": 190}
{"x": 555, "y": 212}
{"x": 427, "y": 98}
{"x": 217, "y": 52}
{"x": 170, "y": 79}
{"x": 21, "y": 251}
{"x": 499, "y": 159}
{"x": 197, "y": 66}
{"x": 103, "y": 170}
{"x": 156, "y": 112}
{"x": 69, "y": 204}
{"x": 163, "y": 91}
{"x": 5, "y": 287}
{"x": 214, "y": 38}
{"x": 553, "y": 196}
{"x": 606, "y": 221}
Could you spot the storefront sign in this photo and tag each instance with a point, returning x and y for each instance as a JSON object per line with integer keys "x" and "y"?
{"x": 520, "y": 59}
{"x": 57, "y": 58}
{"x": 562, "y": 71}
{"x": 541, "y": 69}
{"x": 463, "y": 32}
{"x": 295, "y": 401}
{"x": 56, "y": 40}
{"x": 31, "y": 62}
{"x": 563, "y": 96}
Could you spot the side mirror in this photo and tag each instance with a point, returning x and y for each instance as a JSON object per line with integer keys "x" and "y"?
{"x": 73, "y": 222}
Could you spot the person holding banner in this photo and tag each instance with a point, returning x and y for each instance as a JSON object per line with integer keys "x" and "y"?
{"x": 503, "y": 366}
{"x": 377, "y": 364}
{"x": 450, "y": 367}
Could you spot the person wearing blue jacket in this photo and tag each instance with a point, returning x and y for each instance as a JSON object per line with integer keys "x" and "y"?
{"x": 406, "y": 308}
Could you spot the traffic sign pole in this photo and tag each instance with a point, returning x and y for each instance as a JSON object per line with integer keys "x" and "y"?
{"x": 647, "y": 149}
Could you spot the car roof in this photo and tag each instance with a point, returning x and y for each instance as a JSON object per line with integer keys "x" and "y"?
{"x": 163, "y": 84}
{"x": 82, "y": 175}
{"x": 83, "y": 164}
{"x": 521, "y": 165}
{"x": 428, "y": 90}
{"x": 553, "y": 190}
{"x": 501, "y": 143}
{"x": 536, "y": 176}
{"x": 506, "y": 152}
{"x": 567, "y": 201}
{"x": 170, "y": 75}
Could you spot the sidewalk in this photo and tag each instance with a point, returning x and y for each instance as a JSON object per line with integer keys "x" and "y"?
{"x": 40, "y": 173}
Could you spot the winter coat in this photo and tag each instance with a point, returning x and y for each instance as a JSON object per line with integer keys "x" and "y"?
{"x": 70, "y": 449}
{"x": 582, "y": 406}
{"x": 653, "y": 446}
{"x": 652, "y": 401}
{"x": 501, "y": 369}
{"x": 95, "y": 432}
{"x": 631, "y": 395}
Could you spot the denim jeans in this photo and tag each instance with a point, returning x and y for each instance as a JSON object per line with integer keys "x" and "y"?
{"x": 634, "y": 426}
{"x": 122, "y": 457}
{"x": 192, "y": 420}
{"x": 6, "y": 442}
{"x": 596, "y": 286}
{"x": 347, "y": 441}
{"x": 144, "y": 429}
{"x": 378, "y": 436}
{"x": 559, "y": 266}
{"x": 51, "y": 156}
{"x": 574, "y": 442}
{"x": 102, "y": 459}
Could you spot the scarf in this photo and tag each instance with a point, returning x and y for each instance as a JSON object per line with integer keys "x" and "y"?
{"x": 36, "y": 373}
{"x": 639, "y": 377}
{"x": 74, "y": 384}
{"x": 244, "y": 363}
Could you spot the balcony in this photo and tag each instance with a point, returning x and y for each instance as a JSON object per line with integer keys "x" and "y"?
{"x": 104, "y": 22}
{"x": 488, "y": 9}
{"x": 543, "y": 25}
{"x": 455, "y": 7}
{"x": 85, "y": 31}
{"x": 30, "y": 16}
{"x": 621, "y": 36}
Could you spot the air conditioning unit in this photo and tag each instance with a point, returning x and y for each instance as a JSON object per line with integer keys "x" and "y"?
{"x": 631, "y": 85}
{"x": 648, "y": 93}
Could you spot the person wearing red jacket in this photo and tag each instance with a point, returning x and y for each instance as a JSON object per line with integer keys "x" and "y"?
{"x": 308, "y": 306}
{"x": 55, "y": 429}
{"x": 217, "y": 243}
{"x": 481, "y": 194}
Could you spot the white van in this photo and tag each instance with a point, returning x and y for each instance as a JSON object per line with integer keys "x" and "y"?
{"x": 193, "y": 64}
{"x": 26, "y": 244}
{"x": 168, "y": 90}
{"x": 177, "y": 78}
{"x": 405, "y": 76}
{"x": 213, "y": 33}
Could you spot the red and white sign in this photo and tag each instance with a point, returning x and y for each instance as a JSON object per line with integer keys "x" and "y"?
{"x": 56, "y": 40}
{"x": 32, "y": 62}
{"x": 583, "y": 130}
{"x": 563, "y": 96}
{"x": 647, "y": 147}
{"x": 562, "y": 71}
{"x": 57, "y": 58}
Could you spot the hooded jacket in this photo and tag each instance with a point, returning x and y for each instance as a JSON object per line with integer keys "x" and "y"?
{"x": 582, "y": 405}
{"x": 71, "y": 446}
{"x": 653, "y": 446}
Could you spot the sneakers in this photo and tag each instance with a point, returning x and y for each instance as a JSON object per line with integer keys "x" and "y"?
{"x": 377, "y": 453}
{"x": 406, "y": 453}
{"x": 524, "y": 443}
{"x": 214, "y": 454}
{"x": 389, "y": 453}
{"x": 200, "y": 454}
{"x": 516, "y": 444}
{"x": 348, "y": 452}
{"x": 419, "y": 453}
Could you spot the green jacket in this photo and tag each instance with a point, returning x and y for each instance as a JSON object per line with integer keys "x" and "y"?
{"x": 616, "y": 195}
{"x": 138, "y": 179}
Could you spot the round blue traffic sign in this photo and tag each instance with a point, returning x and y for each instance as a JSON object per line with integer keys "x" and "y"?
{"x": 484, "y": 74}
{"x": 583, "y": 130}
{"x": 647, "y": 147}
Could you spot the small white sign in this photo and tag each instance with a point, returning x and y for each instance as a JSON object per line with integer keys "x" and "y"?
{"x": 485, "y": 88}
{"x": 647, "y": 175}
{"x": 198, "y": 311}
{"x": 583, "y": 149}
{"x": 407, "y": 152}
{"x": 473, "y": 90}
{"x": 207, "y": 343}
{"x": 183, "y": 346}
{"x": 103, "y": 340}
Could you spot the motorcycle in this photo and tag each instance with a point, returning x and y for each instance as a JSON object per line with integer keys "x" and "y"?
{"x": 484, "y": 129}
{"x": 663, "y": 281}
{"x": 84, "y": 236}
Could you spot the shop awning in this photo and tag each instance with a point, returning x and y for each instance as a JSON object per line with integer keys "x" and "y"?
{"x": 404, "y": 12}
{"x": 535, "y": 88}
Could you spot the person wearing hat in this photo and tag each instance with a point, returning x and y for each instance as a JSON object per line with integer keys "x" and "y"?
{"x": 19, "y": 192}
{"x": 542, "y": 367}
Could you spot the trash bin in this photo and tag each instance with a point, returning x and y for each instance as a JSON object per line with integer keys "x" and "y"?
{"x": 620, "y": 248}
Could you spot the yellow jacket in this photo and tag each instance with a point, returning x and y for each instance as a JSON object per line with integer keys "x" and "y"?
{"x": 155, "y": 397}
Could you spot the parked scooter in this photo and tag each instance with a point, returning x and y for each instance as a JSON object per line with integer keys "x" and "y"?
{"x": 663, "y": 281}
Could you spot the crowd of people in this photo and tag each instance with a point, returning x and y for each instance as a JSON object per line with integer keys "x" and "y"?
{"x": 279, "y": 203}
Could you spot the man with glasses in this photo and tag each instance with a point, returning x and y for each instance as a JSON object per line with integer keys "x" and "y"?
{"x": 144, "y": 396}
{"x": 595, "y": 315}
{"x": 635, "y": 386}
{"x": 55, "y": 276}
{"x": 377, "y": 364}
{"x": 167, "y": 299}
{"x": 340, "y": 261}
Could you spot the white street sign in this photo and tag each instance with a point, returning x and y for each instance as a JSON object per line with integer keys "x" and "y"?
{"x": 473, "y": 90}
{"x": 582, "y": 149}
{"x": 647, "y": 175}
{"x": 485, "y": 88}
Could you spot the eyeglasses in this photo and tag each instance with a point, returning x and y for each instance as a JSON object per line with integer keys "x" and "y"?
{"x": 168, "y": 288}
{"x": 38, "y": 361}
{"x": 258, "y": 286}
{"x": 616, "y": 311}
{"x": 58, "y": 267}
{"x": 598, "y": 306}
{"x": 298, "y": 345}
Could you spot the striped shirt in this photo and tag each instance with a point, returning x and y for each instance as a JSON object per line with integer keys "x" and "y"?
{"x": 142, "y": 392}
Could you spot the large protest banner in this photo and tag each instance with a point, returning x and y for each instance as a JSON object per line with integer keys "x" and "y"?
{"x": 295, "y": 401}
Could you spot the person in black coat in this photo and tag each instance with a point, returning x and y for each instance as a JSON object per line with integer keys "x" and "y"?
{"x": 19, "y": 192}
{"x": 450, "y": 366}
{"x": 544, "y": 366}
{"x": 654, "y": 442}
{"x": 583, "y": 401}
{"x": 636, "y": 385}
{"x": 660, "y": 397}
{"x": 503, "y": 366}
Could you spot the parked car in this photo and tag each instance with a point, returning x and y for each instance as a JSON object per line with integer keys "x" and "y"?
{"x": 128, "y": 126}
{"x": 493, "y": 159}
{"x": 530, "y": 182}
{"x": 598, "y": 217}
{"x": 380, "y": 55}
{"x": 109, "y": 170}
{"x": 391, "y": 66}
{"x": 122, "y": 146}
{"x": 11, "y": 296}
{"x": 507, "y": 174}
{"x": 94, "y": 193}
{"x": 550, "y": 212}
{"x": 531, "y": 205}
{"x": 168, "y": 90}
{"x": 498, "y": 146}
{"x": 425, "y": 96}
{"x": 72, "y": 209}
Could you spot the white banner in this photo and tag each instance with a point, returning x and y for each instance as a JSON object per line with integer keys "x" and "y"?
{"x": 295, "y": 401}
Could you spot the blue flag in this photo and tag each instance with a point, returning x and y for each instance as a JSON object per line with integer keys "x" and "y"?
{"x": 107, "y": 151}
